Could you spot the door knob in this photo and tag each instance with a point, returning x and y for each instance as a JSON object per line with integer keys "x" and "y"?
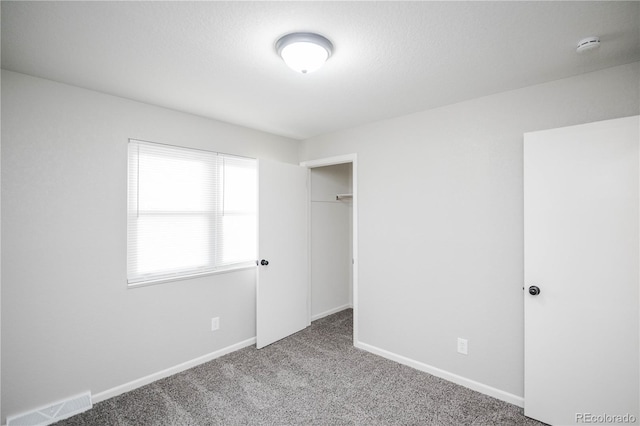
{"x": 264, "y": 262}
{"x": 534, "y": 290}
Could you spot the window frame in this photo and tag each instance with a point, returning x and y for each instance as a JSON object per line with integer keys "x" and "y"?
{"x": 215, "y": 264}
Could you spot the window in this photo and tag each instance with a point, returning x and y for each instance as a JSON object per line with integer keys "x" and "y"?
{"x": 190, "y": 212}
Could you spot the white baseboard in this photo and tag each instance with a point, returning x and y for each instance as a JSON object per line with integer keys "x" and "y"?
{"x": 463, "y": 381}
{"x": 330, "y": 312}
{"x": 110, "y": 393}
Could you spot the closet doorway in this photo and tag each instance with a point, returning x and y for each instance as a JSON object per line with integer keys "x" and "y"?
{"x": 333, "y": 237}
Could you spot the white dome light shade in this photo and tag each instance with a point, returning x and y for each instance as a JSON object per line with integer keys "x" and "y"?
{"x": 304, "y": 57}
{"x": 304, "y": 52}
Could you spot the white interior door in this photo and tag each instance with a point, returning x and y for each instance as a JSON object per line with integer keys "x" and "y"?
{"x": 282, "y": 289}
{"x": 581, "y": 193}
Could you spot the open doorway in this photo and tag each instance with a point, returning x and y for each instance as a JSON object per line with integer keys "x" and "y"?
{"x": 332, "y": 237}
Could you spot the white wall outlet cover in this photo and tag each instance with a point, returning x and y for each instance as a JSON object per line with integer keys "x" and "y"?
{"x": 215, "y": 323}
{"x": 462, "y": 346}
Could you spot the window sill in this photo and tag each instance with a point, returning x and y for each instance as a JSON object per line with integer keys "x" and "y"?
{"x": 187, "y": 277}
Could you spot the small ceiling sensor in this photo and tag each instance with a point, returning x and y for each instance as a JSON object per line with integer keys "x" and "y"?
{"x": 589, "y": 43}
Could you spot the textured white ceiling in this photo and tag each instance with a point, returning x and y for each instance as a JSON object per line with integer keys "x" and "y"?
{"x": 217, "y": 59}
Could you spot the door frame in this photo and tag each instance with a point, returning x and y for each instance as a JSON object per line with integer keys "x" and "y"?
{"x": 332, "y": 161}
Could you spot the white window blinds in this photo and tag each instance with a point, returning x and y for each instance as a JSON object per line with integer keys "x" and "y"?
{"x": 189, "y": 212}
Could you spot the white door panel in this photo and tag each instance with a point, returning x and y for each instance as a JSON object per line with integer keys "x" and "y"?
{"x": 581, "y": 190}
{"x": 282, "y": 289}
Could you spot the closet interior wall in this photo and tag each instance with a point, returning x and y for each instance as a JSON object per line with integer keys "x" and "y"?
{"x": 331, "y": 240}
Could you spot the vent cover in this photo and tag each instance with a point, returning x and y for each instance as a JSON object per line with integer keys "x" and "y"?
{"x": 54, "y": 412}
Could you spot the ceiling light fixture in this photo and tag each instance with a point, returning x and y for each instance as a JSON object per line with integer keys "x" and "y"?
{"x": 304, "y": 52}
{"x": 587, "y": 44}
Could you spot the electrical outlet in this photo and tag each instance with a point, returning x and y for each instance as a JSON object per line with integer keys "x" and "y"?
{"x": 215, "y": 323}
{"x": 462, "y": 346}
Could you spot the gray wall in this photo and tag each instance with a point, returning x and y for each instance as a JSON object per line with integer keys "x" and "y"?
{"x": 331, "y": 236}
{"x": 440, "y": 223}
{"x": 440, "y": 204}
{"x": 69, "y": 323}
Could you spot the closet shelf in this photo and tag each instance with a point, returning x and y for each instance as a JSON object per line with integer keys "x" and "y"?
{"x": 344, "y": 196}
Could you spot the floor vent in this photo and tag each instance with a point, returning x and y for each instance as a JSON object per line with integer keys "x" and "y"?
{"x": 53, "y": 413}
